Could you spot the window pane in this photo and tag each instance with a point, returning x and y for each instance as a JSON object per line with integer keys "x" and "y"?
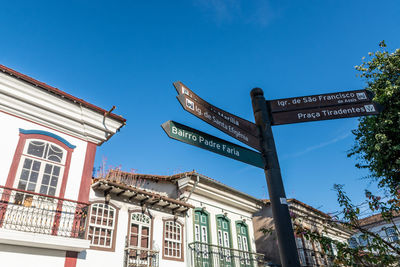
{"x": 36, "y": 165}
{"x": 24, "y": 175}
{"x": 22, "y": 185}
{"x": 145, "y": 230}
{"x": 46, "y": 179}
{"x": 145, "y": 242}
{"x": 36, "y": 148}
{"x": 54, "y": 154}
{"x": 43, "y": 190}
{"x": 34, "y": 176}
{"x": 48, "y": 168}
{"x": 27, "y": 163}
{"x": 52, "y": 191}
{"x": 56, "y": 170}
{"x": 31, "y": 187}
{"x": 54, "y": 181}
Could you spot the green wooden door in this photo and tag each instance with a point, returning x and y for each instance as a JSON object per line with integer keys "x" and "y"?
{"x": 224, "y": 241}
{"x": 201, "y": 236}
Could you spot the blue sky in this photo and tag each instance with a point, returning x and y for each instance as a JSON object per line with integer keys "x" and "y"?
{"x": 128, "y": 53}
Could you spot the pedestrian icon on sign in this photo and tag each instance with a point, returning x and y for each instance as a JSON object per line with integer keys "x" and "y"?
{"x": 361, "y": 96}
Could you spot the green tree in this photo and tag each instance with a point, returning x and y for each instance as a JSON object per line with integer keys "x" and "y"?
{"x": 377, "y": 250}
{"x": 377, "y": 149}
{"x": 377, "y": 138}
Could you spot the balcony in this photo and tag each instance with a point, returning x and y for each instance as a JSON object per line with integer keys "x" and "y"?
{"x": 141, "y": 257}
{"x": 311, "y": 258}
{"x": 32, "y": 219}
{"x": 203, "y": 254}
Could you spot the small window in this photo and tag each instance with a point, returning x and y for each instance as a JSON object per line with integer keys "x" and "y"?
{"x": 102, "y": 225}
{"x": 139, "y": 230}
{"x": 363, "y": 239}
{"x": 353, "y": 243}
{"x": 172, "y": 247}
{"x": 391, "y": 234}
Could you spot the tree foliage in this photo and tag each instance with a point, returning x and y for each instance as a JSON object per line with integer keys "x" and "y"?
{"x": 377, "y": 149}
{"x": 377, "y": 138}
{"x": 376, "y": 252}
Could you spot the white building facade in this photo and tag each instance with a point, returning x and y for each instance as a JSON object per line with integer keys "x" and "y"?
{"x": 186, "y": 219}
{"x": 388, "y": 231}
{"x": 48, "y": 146}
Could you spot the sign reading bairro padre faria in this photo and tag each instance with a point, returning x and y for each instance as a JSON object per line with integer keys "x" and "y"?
{"x": 211, "y": 143}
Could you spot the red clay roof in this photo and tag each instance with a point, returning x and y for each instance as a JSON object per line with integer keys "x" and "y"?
{"x": 267, "y": 201}
{"x": 134, "y": 179}
{"x": 374, "y": 219}
{"x": 143, "y": 191}
{"x": 128, "y": 178}
{"x": 58, "y": 92}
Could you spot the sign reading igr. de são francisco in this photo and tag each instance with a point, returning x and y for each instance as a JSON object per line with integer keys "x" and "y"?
{"x": 214, "y": 144}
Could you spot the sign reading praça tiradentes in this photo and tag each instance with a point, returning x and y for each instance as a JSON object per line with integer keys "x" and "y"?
{"x": 200, "y": 139}
{"x": 325, "y": 113}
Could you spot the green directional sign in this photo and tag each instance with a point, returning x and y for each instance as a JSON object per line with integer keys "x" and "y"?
{"x": 214, "y": 144}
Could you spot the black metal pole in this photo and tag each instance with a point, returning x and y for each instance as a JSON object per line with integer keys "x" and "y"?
{"x": 280, "y": 210}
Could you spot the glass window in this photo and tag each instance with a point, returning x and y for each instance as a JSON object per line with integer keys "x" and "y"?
{"x": 139, "y": 230}
{"x": 300, "y": 249}
{"x": 353, "y": 243}
{"x": 41, "y": 168}
{"x": 101, "y": 225}
{"x": 172, "y": 240}
{"x": 363, "y": 239}
{"x": 391, "y": 234}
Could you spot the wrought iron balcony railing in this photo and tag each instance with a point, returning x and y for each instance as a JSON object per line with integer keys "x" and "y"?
{"x": 36, "y": 213}
{"x": 311, "y": 258}
{"x": 141, "y": 257}
{"x": 203, "y": 254}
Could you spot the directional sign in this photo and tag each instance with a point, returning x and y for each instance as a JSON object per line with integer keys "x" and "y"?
{"x": 325, "y": 113}
{"x": 218, "y": 122}
{"x": 317, "y": 101}
{"x": 240, "y": 128}
{"x": 214, "y": 144}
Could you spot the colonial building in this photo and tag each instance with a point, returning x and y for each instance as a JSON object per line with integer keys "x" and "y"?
{"x": 186, "y": 219}
{"x": 310, "y": 253}
{"x": 48, "y": 146}
{"x": 375, "y": 224}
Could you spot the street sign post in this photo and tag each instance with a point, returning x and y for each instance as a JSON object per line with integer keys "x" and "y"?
{"x": 277, "y": 196}
{"x": 239, "y": 128}
{"x": 259, "y": 136}
{"x": 322, "y": 100}
{"x": 214, "y": 144}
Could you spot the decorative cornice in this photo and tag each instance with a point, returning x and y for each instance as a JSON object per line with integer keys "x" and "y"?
{"x": 59, "y": 138}
{"x": 55, "y": 111}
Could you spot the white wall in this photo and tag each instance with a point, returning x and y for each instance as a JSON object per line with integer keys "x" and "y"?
{"x": 8, "y": 144}
{"x": 93, "y": 257}
{"x": 17, "y": 256}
